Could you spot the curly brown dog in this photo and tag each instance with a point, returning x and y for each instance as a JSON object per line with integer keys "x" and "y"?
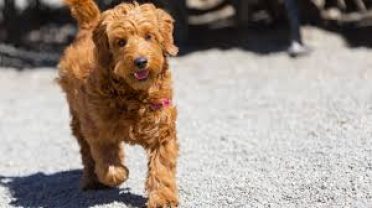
{"x": 118, "y": 87}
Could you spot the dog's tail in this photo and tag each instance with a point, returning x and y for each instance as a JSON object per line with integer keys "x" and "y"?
{"x": 86, "y": 12}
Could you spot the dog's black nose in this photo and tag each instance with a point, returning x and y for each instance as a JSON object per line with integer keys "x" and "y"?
{"x": 140, "y": 62}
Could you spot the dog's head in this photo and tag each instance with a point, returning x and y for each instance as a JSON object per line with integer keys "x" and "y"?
{"x": 132, "y": 42}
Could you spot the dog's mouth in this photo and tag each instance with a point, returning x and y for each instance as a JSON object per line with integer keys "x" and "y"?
{"x": 141, "y": 75}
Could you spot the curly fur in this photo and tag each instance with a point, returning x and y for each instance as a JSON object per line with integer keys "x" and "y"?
{"x": 108, "y": 106}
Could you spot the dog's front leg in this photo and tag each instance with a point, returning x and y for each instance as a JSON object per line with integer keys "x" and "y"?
{"x": 109, "y": 166}
{"x": 161, "y": 180}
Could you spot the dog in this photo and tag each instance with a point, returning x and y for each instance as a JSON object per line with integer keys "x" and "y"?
{"x": 118, "y": 87}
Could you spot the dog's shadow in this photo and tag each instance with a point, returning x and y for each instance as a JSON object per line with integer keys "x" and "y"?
{"x": 62, "y": 190}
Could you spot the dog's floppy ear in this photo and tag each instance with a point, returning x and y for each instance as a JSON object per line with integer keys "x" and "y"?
{"x": 101, "y": 42}
{"x": 166, "y": 28}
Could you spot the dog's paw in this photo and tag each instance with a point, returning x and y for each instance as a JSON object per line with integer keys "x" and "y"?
{"x": 159, "y": 202}
{"x": 112, "y": 175}
{"x": 89, "y": 181}
{"x": 87, "y": 185}
{"x": 167, "y": 205}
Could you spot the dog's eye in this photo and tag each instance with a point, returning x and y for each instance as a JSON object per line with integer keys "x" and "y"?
{"x": 148, "y": 37}
{"x": 122, "y": 43}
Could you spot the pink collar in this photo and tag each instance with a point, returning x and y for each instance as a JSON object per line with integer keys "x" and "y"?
{"x": 164, "y": 103}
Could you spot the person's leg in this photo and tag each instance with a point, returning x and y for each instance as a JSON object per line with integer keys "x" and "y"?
{"x": 296, "y": 47}
{"x": 11, "y": 22}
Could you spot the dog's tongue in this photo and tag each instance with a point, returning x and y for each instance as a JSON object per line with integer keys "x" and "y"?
{"x": 141, "y": 75}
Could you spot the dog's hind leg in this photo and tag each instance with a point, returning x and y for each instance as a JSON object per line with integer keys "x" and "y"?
{"x": 89, "y": 179}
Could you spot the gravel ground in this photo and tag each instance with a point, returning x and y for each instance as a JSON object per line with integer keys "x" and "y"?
{"x": 255, "y": 131}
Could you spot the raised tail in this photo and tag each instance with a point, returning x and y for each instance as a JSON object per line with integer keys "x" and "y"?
{"x": 86, "y": 12}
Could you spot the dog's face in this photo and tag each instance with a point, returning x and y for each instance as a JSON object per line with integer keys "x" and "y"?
{"x": 132, "y": 41}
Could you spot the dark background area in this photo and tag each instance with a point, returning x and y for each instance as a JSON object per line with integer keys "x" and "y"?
{"x": 36, "y": 34}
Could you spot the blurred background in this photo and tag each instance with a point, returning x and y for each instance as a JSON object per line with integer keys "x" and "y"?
{"x": 34, "y": 32}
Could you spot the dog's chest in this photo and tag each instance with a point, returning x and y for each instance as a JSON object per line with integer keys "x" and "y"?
{"x": 143, "y": 126}
{"x": 150, "y": 125}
